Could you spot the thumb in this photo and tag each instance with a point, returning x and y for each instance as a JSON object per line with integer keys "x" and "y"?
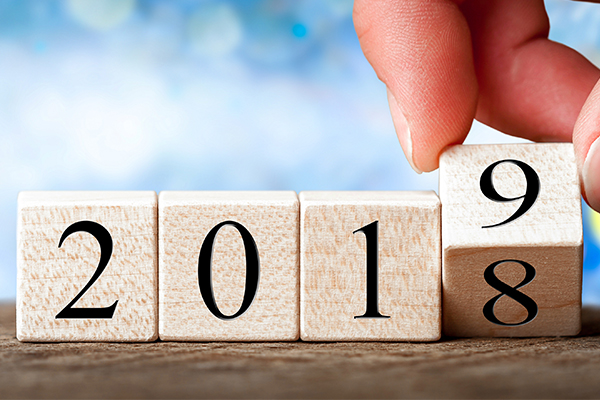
{"x": 586, "y": 139}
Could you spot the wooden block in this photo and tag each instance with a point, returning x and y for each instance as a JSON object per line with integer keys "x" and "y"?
{"x": 228, "y": 266}
{"x": 87, "y": 266}
{"x": 370, "y": 266}
{"x": 512, "y": 240}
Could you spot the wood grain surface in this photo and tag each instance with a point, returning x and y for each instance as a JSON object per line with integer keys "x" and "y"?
{"x": 460, "y": 368}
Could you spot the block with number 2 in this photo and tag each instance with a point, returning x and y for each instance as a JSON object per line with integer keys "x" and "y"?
{"x": 87, "y": 266}
{"x": 512, "y": 240}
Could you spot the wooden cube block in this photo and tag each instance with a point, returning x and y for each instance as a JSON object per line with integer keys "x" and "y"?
{"x": 87, "y": 266}
{"x": 512, "y": 240}
{"x": 228, "y": 266}
{"x": 370, "y": 266}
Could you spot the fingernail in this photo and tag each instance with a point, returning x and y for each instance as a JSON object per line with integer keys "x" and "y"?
{"x": 402, "y": 130}
{"x": 591, "y": 176}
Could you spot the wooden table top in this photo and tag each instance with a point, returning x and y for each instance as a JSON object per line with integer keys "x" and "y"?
{"x": 451, "y": 368}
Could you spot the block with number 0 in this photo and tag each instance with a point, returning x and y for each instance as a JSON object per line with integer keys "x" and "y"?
{"x": 370, "y": 266}
{"x": 87, "y": 266}
{"x": 512, "y": 240}
{"x": 228, "y": 266}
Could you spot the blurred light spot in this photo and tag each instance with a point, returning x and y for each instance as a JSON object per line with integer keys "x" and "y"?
{"x": 341, "y": 8}
{"x": 272, "y": 40}
{"x": 100, "y": 15}
{"x": 581, "y": 11}
{"x": 299, "y": 30}
{"x": 40, "y": 46}
{"x": 214, "y": 30}
{"x": 595, "y": 223}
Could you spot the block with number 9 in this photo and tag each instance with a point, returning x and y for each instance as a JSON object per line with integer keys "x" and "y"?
{"x": 512, "y": 240}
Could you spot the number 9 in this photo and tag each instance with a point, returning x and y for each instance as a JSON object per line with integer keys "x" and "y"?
{"x": 529, "y": 198}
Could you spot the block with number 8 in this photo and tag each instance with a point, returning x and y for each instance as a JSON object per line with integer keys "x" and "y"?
{"x": 512, "y": 240}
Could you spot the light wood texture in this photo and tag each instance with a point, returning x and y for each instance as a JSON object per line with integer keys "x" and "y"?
{"x": 460, "y": 369}
{"x": 50, "y": 277}
{"x": 548, "y": 236}
{"x": 272, "y": 218}
{"x": 334, "y": 272}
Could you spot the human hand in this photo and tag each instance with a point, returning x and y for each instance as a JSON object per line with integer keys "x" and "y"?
{"x": 447, "y": 62}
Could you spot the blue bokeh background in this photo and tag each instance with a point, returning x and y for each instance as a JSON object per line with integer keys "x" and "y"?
{"x": 199, "y": 95}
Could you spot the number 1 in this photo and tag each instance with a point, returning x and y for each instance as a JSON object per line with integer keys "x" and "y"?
{"x": 371, "y": 232}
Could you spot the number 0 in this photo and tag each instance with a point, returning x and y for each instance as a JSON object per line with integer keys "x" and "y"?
{"x": 205, "y": 270}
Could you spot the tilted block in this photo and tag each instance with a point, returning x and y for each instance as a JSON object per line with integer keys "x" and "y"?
{"x": 228, "y": 266}
{"x": 512, "y": 240}
{"x": 370, "y": 266}
{"x": 87, "y": 266}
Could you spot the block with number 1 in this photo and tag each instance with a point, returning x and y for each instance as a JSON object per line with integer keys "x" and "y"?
{"x": 512, "y": 240}
{"x": 370, "y": 266}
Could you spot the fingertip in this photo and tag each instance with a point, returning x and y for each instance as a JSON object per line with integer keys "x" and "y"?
{"x": 402, "y": 130}
{"x": 586, "y": 140}
{"x": 590, "y": 176}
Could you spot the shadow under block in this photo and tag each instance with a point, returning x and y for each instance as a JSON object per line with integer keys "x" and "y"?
{"x": 242, "y": 249}
{"x": 536, "y": 291}
{"x": 116, "y": 230}
{"x": 389, "y": 268}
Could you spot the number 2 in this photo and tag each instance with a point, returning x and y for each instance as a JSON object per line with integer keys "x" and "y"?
{"x": 106, "y": 246}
